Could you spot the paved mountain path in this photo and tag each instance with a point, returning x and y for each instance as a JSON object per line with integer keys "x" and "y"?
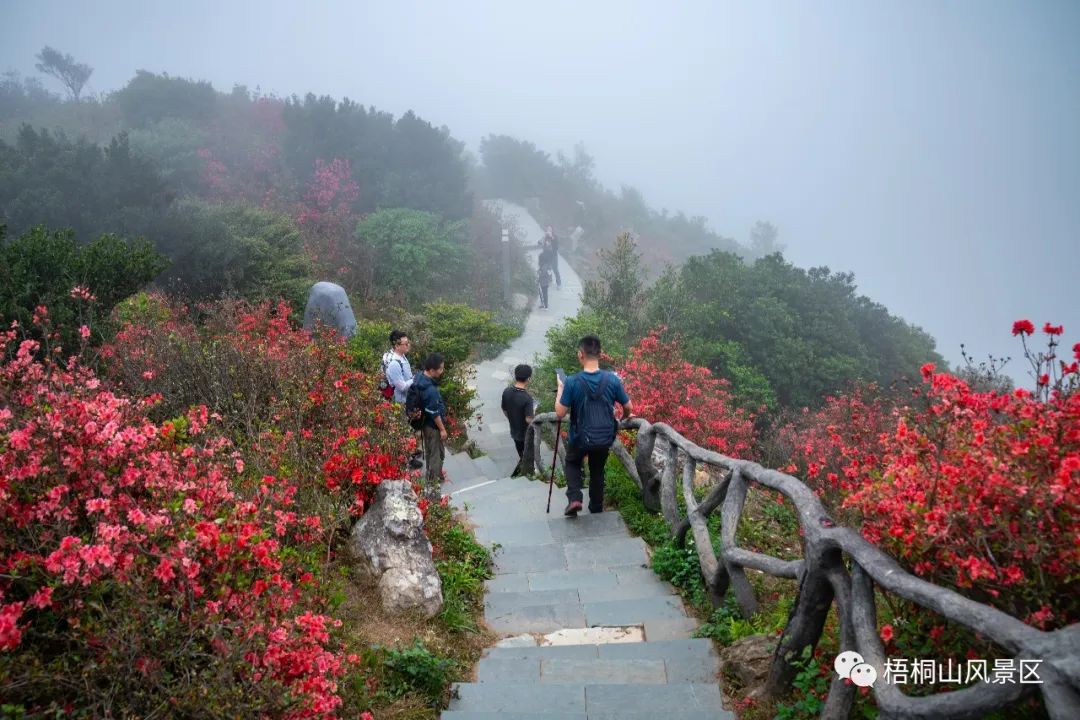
{"x": 589, "y": 631}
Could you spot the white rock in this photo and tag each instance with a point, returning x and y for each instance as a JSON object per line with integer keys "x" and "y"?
{"x": 389, "y": 545}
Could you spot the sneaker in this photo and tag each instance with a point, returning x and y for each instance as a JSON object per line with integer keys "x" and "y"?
{"x": 572, "y": 509}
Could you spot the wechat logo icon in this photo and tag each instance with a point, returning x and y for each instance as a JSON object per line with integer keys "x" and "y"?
{"x": 850, "y": 665}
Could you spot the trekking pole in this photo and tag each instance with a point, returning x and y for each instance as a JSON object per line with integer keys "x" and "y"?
{"x": 554, "y": 457}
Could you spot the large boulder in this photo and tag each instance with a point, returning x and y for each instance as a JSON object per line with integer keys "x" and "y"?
{"x": 328, "y": 304}
{"x": 390, "y": 547}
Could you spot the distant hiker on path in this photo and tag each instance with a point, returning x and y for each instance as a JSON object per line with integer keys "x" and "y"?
{"x": 544, "y": 277}
{"x": 518, "y": 406}
{"x": 589, "y": 396}
{"x": 552, "y": 241}
{"x": 433, "y": 428}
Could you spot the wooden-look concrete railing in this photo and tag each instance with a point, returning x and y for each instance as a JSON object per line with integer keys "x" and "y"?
{"x": 824, "y": 579}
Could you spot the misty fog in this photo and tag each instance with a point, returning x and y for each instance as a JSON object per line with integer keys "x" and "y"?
{"x": 930, "y": 148}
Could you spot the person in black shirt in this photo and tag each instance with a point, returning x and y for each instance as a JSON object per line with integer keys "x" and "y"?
{"x": 518, "y": 407}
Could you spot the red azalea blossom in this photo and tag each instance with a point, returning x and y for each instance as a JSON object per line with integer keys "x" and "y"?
{"x": 1023, "y": 326}
{"x": 887, "y": 633}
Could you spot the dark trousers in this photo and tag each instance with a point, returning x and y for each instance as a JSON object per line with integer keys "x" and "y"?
{"x": 434, "y": 453}
{"x": 544, "y": 295}
{"x": 575, "y": 456}
{"x": 519, "y": 445}
{"x": 555, "y": 267}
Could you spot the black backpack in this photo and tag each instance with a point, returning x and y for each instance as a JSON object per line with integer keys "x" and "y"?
{"x": 596, "y": 426}
{"x": 414, "y": 407}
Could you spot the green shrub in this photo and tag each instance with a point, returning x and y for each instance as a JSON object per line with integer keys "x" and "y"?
{"x": 417, "y": 669}
{"x": 40, "y": 268}
{"x": 234, "y": 249}
{"x": 417, "y": 256}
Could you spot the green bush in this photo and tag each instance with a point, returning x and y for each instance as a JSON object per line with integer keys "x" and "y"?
{"x": 148, "y": 97}
{"x": 417, "y": 669}
{"x": 41, "y": 268}
{"x": 234, "y": 249}
{"x": 417, "y": 256}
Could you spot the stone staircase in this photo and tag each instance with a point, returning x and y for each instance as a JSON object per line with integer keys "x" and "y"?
{"x": 589, "y": 630}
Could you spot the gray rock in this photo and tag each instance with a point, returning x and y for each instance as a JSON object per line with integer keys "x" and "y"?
{"x": 389, "y": 545}
{"x": 328, "y": 304}
{"x": 521, "y": 301}
{"x": 749, "y": 661}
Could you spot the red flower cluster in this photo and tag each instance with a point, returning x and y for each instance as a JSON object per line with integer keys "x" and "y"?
{"x": 163, "y": 546}
{"x": 665, "y": 388}
{"x": 96, "y": 501}
{"x": 978, "y": 490}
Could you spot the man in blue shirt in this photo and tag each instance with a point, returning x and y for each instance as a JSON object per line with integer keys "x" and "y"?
{"x": 434, "y": 428}
{"x": 571, "y": 398}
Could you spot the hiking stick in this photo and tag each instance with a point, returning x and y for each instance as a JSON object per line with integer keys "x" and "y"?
{"x": 554, "y": 457}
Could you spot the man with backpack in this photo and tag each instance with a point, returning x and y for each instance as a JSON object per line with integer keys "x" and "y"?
{"x": 589, "y": 396}
{"x": 397, "y": 372}
{"x": 426, "y": 412}
{"x": 398, "y": 378}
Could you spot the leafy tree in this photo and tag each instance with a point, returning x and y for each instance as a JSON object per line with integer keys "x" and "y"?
{"x": 41, "y": 269}
{"x": 78, "y": 185}
{"x": 234, "y": 249}
{"x": 763, "y": 239}
{"x": 172, "y": 145}
{"x": 64, "y": 68}
{"x": 21, "y": 96}
{"x": 620, "y": 289}
{"x": 403, "y": 163}
{"x": 781, "y": 334}
{"x": 149, "y": 97}
{"x": 417, "y": 256}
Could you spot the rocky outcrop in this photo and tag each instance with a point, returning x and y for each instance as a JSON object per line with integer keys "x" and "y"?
{"x": 389, "y": 546}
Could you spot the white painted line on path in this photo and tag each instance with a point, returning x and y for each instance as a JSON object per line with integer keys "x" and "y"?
{"x": 471, "y": 487}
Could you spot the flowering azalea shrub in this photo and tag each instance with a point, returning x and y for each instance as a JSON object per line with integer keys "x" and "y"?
{"x": 665, "y": 388}
{"x": 291, "y": 402}
{"x": 142, "y": 571}
{"x": 975, "y": 490}
{"x": 834, "y": 448}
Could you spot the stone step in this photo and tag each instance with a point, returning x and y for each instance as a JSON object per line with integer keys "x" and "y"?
{"x": 608, "y": 701}
{"x": 591, "y": 585}
{"x": 459, "y": 468}
{"x": 584, "y": 527}
{"x": 470, "y": 715}
{"x": 513, "y": 613}
{"x": 487, "y": 466}
{"x": 499, "y": 486}
{"x": 697, "y": 649}
{"x": 569, "y": 670}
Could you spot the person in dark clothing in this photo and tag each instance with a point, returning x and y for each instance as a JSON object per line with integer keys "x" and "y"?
{"x": 553, "y": 243}
{"x": 571, "y": 398}
{"x": 545, "y": 282}
{"x": 518, "y": 406}
{"x": 434, "y": 428}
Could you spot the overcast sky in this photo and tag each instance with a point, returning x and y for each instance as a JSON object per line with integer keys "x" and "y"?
{"x": 932, "y": 148}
